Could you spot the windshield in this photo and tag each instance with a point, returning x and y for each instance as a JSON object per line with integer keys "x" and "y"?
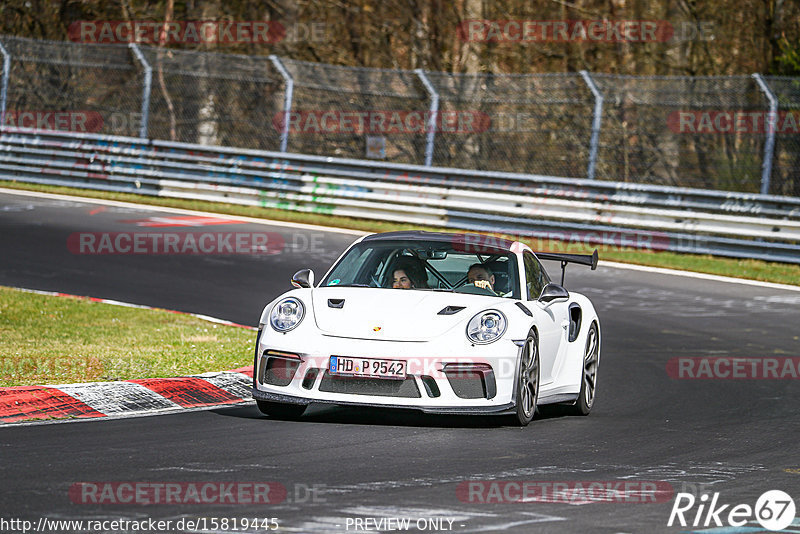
{"x": 432, "y": 266}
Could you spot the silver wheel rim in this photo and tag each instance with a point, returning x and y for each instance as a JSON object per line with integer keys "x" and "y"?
{"x": 529, "y": 379}
{"x": 590, "y": 362}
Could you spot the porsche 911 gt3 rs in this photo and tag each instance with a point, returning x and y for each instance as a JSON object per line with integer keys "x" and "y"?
{"x": 438, "y": 322}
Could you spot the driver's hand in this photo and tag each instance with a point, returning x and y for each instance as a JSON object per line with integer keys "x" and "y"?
{"x": 483, "y": 283}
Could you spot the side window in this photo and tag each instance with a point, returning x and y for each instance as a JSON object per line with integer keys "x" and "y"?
{"x": 535, "y": 276}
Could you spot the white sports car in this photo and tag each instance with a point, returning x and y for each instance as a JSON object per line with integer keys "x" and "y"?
{"x": 437, "y": 322}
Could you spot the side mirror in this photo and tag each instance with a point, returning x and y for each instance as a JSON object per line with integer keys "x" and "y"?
{"x": 303, "y": 278}
{"x": 552, "y": 292}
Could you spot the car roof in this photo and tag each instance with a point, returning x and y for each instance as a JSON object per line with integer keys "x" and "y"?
{"x": 419, "y": 235}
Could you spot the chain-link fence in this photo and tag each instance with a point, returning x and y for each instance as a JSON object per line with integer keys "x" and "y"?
{"x": 213, "y": 99}
{"x": 63, "y": 85}
{"x": 337, "y": 111}
{"x": 786, "y": 162}
{"x": 699, "y": 132}
{"x": 532, "y": 123}
{"x": 681, "y": 131}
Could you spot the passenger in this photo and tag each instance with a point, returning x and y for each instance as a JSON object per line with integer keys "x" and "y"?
{"x": 480, "y": 276}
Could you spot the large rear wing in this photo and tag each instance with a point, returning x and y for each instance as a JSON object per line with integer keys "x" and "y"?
{"x": 582, "y": 259}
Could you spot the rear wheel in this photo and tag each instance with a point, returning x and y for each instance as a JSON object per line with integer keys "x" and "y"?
{"x": 591, "y": 361}
{"x": 527, "y": 381}
{"x": 280, "y": 410}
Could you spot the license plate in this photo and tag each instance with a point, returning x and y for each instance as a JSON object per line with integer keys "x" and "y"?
{"x": 371, "y": 367}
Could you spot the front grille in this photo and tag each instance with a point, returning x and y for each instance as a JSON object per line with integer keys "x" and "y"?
{"x": 382, "y": 387}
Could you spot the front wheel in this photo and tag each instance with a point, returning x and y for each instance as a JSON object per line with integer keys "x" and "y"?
{"x": 591, "y": 361}
{"x": 280, "y": 410}
{"x": 527, "y": 381}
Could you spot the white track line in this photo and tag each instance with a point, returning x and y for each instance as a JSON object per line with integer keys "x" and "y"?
{"x": 702, "y": 276}
{"x": 242, "y": 218}
{"x": 614, "y": 265}
{"x": 130, "y": 305}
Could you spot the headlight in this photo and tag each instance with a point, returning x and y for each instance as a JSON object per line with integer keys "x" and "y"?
{"x": 287, "y": 314}
{"x": 486, "y": 327}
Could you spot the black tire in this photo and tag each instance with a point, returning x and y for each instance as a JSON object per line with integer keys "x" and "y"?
{"x": 280, "y": 410}
{"x": 591, "y": 362}
{"x": 527, "y": 381}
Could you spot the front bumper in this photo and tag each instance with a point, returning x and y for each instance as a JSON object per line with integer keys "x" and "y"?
{"x": 460, "y": 379}
{"x": 449, "y": 410}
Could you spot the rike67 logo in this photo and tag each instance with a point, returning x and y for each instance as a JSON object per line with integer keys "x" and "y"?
{"x": 774, "y": 510}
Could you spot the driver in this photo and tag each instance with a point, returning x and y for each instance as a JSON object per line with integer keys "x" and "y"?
{"x": 480, "y": 276}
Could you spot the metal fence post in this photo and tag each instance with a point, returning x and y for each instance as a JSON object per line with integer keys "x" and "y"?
{"x": 148, "y": 82}
{"x": 434, "y": 110}
{"x": 769, "y": 146}
{"x": 4, "y": 87}
{"x": 287, "y": 101}
{"x": 598, "y": 114}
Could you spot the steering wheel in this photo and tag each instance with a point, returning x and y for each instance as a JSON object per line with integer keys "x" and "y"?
{"x": 472, "y": 289}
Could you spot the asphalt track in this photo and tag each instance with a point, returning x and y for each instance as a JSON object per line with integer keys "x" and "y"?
{"x": 736, "y": 437}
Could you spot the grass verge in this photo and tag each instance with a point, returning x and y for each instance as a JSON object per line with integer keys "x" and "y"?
{"x": 56, "y": 340}
{"x": 752, "y": 269}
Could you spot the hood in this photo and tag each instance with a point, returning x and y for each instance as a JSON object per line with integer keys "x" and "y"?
{"x": 392, "y": 314}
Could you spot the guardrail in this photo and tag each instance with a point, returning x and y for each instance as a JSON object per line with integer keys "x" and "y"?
{"x": 665, "y": 218}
